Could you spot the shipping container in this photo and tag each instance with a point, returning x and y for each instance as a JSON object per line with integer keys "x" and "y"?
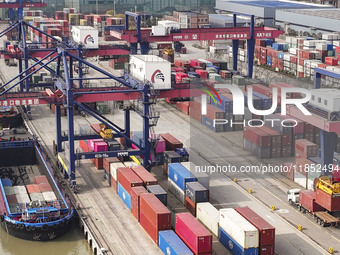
{"x": 40, "y": 179}
{"x": 135, "y": 200}
{"x": 43, "y": 187}
{"x": 232, "y": 246}
{"x": 193, "y": 234}
{"x": 151, "y": 68}
{"x": 86, "y": 35}
{"x": 114, "y": 167}
{"x": 257, "y": 136}
{"x": 155, "y": 211}
{"x": 307, "y": 200}
{"x": 327, "y": 201}
{"x": 124, "y": 195}
{"x": 176, "y": 191}
{"x": 243, "y": 232}
{"x": 171, "y": 142}
{"x": 266, "y": 231}
{"x": 127, "y": 178}
{"x": 171, "y": 244}
{"x": 196, "y": 192}
{"x": 180, "y": 175}
{"x": 159, "y": 192}
{"x": 148, "y": 226}
{"x": 209, "y": 216}
{"x": 144, "y": 175}
{"x": 202, "y": 178}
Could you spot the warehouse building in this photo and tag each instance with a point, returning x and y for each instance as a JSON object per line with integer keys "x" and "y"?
{"x": 226, "y": 20}
{"x": 265, "y": 10}
{"x": 312, "y": 21}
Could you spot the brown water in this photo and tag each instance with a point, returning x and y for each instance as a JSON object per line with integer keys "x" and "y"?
{"x": 72, "y": 243}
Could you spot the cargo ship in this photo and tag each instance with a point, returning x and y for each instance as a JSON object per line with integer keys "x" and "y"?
{"x": 10, "y": 117}
{"x": 33, "y": 205}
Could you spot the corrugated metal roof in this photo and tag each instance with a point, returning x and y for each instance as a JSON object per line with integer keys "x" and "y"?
{"x": 278, "y": 4}
{"x": 323, "y": 13}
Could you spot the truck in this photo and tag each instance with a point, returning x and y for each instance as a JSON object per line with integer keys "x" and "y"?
{"x": 305, "y": 201}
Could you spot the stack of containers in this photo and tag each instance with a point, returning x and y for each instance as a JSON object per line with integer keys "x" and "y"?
{"x": 46, "y": 189}
{"x": 236, "y": 233}
{"x": 305, "y": 149}
{"x": 10, "y": 195}
{"x": 209, "y": 216}
{"x": 135, "y": 200}
{"x": 195, "y": 110}
{"x": 178, "y": 177}
{"x": 154, "y": 216}
{"x": 257, "y": 141}
{"x": 126, "y": 180}
{"x": 276, "y": 142}
{"x": 226, "y": 107}
{"x": 212, "y": 114}
{"x": 193, "y": 234}
{"x": 170, "y": 243}
{"x": 21, "y": 194}
{"x": 195, "y": 193}
{"x": 266, "y": 231}
{"x": 114, "y": 169}
{"x": 34, "y": 192}
{"x": 106, "y": 165}
{"x": 202, "y": 177}
{"x": 144, "y": 175}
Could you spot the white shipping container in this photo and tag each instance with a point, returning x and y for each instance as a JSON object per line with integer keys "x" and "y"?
{"x": 114, "y": 169}
{"x": 300, "y": 69}
{"x": 310, "y": 184}
{"x": 244, "y": 233}
{"x": 203, "y": 178}
{"x": 22, "y": 198}
{"x": 159, "y": 30}
{"x": 37, "y": 197}
{"x": 20, "y": 189}
{"x": 86, "y": 35}
{"x": 151, "y": 68}
{"x": 209, "y": 216}
{"x": 176, "y": 191}
{"x": 130, "y": 163}
{"x": 169, "y": 24}
{"x": 293, "y": 51}
{"x": 286, "y": 57}
{"x": 336, "y": 43}
{"x": 300, "y": 179}
{"x": 49, "y": 196}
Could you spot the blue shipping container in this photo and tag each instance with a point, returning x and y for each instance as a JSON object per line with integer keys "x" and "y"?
{"x": 329, "y": 46}
{"x": 122, "y": 193}
{"x": 233, "y": 246}
{"x": 114, "y": 27}
{"x": 159, "y": 192}
{"x": 180, "y": 175}
{"x": 209, "y": 123}
{"x": 170, "y": 243}
{"x": 257, "y": 102}
{"x": 281, "y": 55}
{"x": 217, "y": 68}
{"x": 227, "y": 104}
{"x": 6, "y": 182}
{"x": 266, "y": 101}
{"x": 196, "y": 192}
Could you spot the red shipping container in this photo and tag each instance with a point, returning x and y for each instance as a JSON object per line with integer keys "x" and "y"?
{"x": 307, "y": 200}
{"x": 144, "y": 175}
{"x": 288, "y": 170}
{"x": 40, "y": 179}
{"x": 83, "y": 146}
{"x": 266, "y": 231}
{"x": 275, "y": 137}
{"x": 337, "y": 50}
{"x": 193, "y": 234}
{"x": 148, "y": 227}
{"x": 135, "y": 200}
{"x": 108, "y": 161}
{"x": 114, "y": 184}
{"x": 127, "y": 178}
{"x": 308, "y": 148}
{"x": 214, "y": 112}
{"x": 267, "y": 250}
{"x": 180, "y": 76}
{"x": 190, "y": 206}
{"x": 331, "y": 61}
{"x": 202, "y": 73}
{"x": 44, "y": 187}
{"x": 100, "y": 146}
{"x": 155, "y": 211}
{"x": 99, "y": 163}
{"x": 172, "y": 143}
{"x": 257, "y": 136}
{"x": 331, "y": 203}
{"x": 32, "y": 188}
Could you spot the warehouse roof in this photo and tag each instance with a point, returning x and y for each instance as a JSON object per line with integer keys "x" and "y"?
{"x": 279, "y": 4}
{"x": 333, "y": 13}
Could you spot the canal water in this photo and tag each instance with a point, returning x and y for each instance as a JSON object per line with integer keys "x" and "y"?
{"x": 72, "y": 243}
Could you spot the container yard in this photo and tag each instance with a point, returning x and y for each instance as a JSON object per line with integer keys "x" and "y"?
{"x": 172, "y": 134}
